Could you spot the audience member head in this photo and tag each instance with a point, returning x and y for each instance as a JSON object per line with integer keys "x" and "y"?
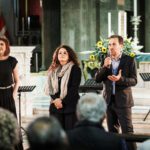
{"x": 91, "y": 107}
{"x": 5, "y": 40}
{"x": 9, "y": 135}
{"x": 45, "y": 133}
{"x": 145, "y": 145}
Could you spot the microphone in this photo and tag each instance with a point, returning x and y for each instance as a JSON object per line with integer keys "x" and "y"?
{"x": 108, "y": 62}
{"x": 108, "y": 66}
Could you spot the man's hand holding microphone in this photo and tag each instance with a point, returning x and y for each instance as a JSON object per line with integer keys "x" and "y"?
{"x": 107, "y": 64}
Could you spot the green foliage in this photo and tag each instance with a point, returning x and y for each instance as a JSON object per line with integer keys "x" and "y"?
{"x": 101, "y": 48}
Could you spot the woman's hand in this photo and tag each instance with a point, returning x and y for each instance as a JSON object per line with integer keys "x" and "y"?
{"x": 15, "y": 95}
{"x": 58, "y": 103}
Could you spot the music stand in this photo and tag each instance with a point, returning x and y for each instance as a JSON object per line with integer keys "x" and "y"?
{"x": 91, "y": 85}
{"x": 145, "y": 77}
{"x": 23, "y": 89}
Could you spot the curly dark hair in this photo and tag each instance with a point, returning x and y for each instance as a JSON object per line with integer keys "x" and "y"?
{"x": 72, "y": 56}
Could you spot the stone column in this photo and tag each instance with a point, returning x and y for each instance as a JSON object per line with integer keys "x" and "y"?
{"x": 23, "y": 54}
{"x": 51, "y": 28}
{"x": 78, "y": 24}
{"x": 147, "y": 26}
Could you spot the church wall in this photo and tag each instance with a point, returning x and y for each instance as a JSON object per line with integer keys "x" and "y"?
{"x": 7, "y": 10}
{"x": 78, "y": 24}
{"x": 147, "y": 26}
{"x": 83, "y": 22}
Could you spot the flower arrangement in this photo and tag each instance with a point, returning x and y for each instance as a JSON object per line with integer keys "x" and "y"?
{"x": 91, "y": 64}
{"x": 101, "y": 51}
{"x": 101, "y": 48}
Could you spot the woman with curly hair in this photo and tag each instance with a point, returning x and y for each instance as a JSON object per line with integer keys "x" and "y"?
{"x": 64, "y": 76}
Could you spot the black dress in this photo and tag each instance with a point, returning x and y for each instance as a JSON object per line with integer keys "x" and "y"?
{"x": 6, "y": 95}
{"x": 6, "y": 79}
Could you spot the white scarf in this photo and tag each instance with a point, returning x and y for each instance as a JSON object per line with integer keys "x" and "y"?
{"x": 64, "y": 73}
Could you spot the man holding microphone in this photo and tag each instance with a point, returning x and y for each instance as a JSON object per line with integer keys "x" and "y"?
{"x": 118, "y": 74}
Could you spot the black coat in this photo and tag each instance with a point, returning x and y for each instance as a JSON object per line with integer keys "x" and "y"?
{"x": 92, "y": 136}
{"x": 123, "y": 95}
{"x": 71, "y": 99}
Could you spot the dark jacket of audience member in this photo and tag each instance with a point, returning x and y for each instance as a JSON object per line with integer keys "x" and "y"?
{"x": 45, "y": 133}
{"x": 88, "y": 133}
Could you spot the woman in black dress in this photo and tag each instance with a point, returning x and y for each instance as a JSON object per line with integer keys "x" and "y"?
{"x": 9, "y": 79}
{"x": 64, "y": 78}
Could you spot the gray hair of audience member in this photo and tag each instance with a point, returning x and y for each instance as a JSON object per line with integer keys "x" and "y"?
{"x": 46, "y": 133}
{"x": 9, "y": 130}
{"x": 145, "y": 145}
{"x": 91, "y": 107}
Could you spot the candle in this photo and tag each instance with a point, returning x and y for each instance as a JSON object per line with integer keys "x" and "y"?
{"x": 125, "y": 25}
{"x": 135, "y": 8}
{"x": 122, "y": 23}
{"x": 109, "y": 24}
{"x": 119, "y": 23}
{"x": 28, "y": 23}
{"x": 36, "y": 62}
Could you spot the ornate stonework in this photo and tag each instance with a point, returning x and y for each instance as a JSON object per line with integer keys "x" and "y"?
{"x": 23, "y": 54}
